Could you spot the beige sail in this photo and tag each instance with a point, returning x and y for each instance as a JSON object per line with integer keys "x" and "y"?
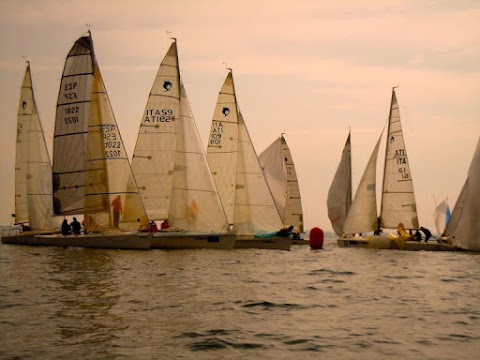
{"x": 154, "y": 156}
{"x": 398, "y": 199}
{"x": 279, "y": 170}
{"x": 339, "y": 197}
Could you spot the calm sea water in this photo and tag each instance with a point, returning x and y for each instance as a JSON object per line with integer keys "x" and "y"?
{"x": 334, "y": 303}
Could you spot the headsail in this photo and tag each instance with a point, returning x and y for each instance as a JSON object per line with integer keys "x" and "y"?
{"x": 339, "y": 197}
{"x": 279, "y": 170}
{"x": 71, "y": 126}
{"x": 441, "y": 216}
{"x": 154, "y": 156}
{"x": 463, "y": 228}
{"x": 398, "y": 200}
{"x": 362, "y": 216}
{"x": 33, "y": 170}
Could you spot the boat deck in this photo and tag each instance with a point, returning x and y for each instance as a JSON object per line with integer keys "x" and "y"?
{"x": 383, "y": 242}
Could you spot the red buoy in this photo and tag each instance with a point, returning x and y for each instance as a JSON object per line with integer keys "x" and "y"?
{"x": 316, "y": 238}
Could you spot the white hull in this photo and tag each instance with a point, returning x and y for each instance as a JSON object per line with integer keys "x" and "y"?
{"x": 173, "y": 240}
{"x": 111, "y": 241}
{"x": 383, "y": 242}
{"x": 273, "y": 243}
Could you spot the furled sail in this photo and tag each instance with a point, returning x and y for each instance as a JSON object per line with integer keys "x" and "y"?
{"x": 339, "y": 197}
{"x": 154, "y": 156}
{"x": 398, "y": 200}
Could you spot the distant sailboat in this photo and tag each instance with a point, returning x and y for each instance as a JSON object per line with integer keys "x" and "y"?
{"x": 91, "y": 171}
{"x": 442, "y": 216}
{"x": 172, "y": 171}
{"x": 398, "y": 204}
{"x": 339, "y": 197}
{"x": 279, "y": 170}
{"x": 463, "y": 229}
{"x": 244, "y": 192}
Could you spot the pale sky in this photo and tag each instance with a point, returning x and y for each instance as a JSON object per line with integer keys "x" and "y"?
{"x": 311, "y": 69}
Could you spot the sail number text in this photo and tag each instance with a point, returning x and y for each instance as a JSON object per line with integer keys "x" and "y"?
{"x": 111, "y": 140}
{"x": 401, "y": 158}
{"x": 216, "y": 133}
{"x": 155, "y": 115}
{"x": 70, "y": 117}
{"x": 70, "y": 91}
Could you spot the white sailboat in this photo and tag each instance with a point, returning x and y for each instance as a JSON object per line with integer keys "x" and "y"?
{"x": 339, "y": 197}
{"x": 33, "y": 170}
{"x": 171, "y": 169}
{"x": 441, "y": 216}
{"x": 463, "y": 228}
{"x": 279, "y": 170}
{"x": 398, "y": 204}
{"x": 91, "y": 171}
{"x": 244, "y": 192}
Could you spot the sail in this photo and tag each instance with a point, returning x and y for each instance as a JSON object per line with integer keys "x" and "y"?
{"x": 154, "y": 156}
{"x": 398, "y": 200}
{"x": 71, "y": 126}
{"x": 463, "y": 228}
{"x": 441, "y": 216}
{"x": 194, "y": 203}
{"x": 112, "y": 199}
{"x": 222, "y": 151}
{"x": 362, "y": 216}
{"x": 279, "y": 170}
{"x": 339, "y": 197}
{"x": 255, "y": 211}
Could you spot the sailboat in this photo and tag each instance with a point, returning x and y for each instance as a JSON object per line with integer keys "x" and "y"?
{"x": 339, "y": 197}
{"x": 279, "y": 170}
{"x": 463, "y": 228}
{"x": 441, "y": 216}
{"x": 398, "y": 206}
{"x": 243, "y": 190}
{"x": 91, "y": 171}
{"x": 172, "y": 172}
{"x": 33, "y": 170}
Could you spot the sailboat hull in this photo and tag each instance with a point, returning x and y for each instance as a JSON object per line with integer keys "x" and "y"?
{"x": 384, "y": 242}
{"x": 172, "y": 240}
{"x": 273, "y": 243}
{"x": 103, "y": 241}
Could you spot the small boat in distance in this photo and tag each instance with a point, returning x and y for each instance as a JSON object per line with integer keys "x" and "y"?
{"x": 241, "y": 184}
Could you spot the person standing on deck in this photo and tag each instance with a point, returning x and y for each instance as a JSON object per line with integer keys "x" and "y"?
{"x": 117, "y": 210}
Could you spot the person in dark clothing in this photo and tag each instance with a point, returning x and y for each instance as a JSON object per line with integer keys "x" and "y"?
{"x": 285, "y": 232}
{"x": 427, "y": 233}
{"x": 65, "y": 227}
{"x": 417, "y": 236}
{"x": 76, "y": 226}
{"x": 378, "y": 231}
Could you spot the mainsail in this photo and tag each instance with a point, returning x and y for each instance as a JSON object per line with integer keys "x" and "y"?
{"x": 235, "y": 167}
{"x": 339, "y": 197}
{"x": 89, "y": 145}
{"x": 169, "y": 162}
{"x": 398, "y": 200}
{"x": 463, "y": 228}
{"x": 33, "y": 170}
{"x": 279, "y": 170}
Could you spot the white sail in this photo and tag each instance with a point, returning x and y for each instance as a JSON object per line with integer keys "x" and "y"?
{"x": 71, "y": 126}
{"x": 440, "y": 216}
{"x": 222, "y": 151}
{"x": 398, "y": 200}
{"x": 339, "y": 197}
{"x": 463, "y": 228}
{"x": 33, "y": 170}
{"x": 234, "y": 163}
{"x": 279, "y": 170}
{"x": 362, "y": 216}
{"x": 154, "y": 156}
{"x": 194, "y": 202}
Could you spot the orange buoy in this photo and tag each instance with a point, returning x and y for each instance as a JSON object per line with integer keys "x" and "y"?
{"x": 316, "y": 238}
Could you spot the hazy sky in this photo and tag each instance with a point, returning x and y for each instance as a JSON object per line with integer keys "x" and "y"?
{"x": 311, "y": 69}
